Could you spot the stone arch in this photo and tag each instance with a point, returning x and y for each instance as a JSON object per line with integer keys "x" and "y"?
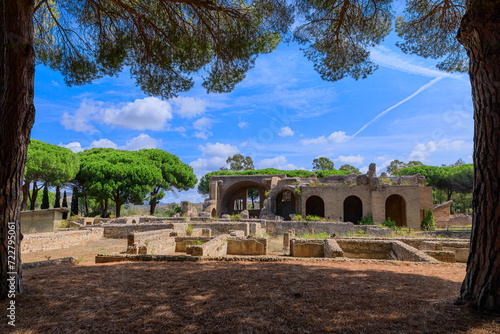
{"x": 285, "y": 204}
{"x": 353, "y": 209}
{"x": 395, "y": 208}
{"x": 315, "y": 206}
{"x": 235, "y": 198}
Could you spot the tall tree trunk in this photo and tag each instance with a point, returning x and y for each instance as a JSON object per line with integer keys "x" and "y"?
{"x": 34, "y": 195}
{"x": 17, "y": 115}
{"x": 86, "y": 206}
{"x": 480, "y": 34}
{"x": 153, "y": 201}
{"x": 105, "y": 208}
{"x": 118, "y": 208}
{"x": 26, "y": 195}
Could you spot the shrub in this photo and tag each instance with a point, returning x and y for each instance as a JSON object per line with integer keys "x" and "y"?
{"x": 389, "y": 223}
{"x": 236, "y": 217}
{"x": 313, "y": 218}
{"x": 366, "y": 220}
{"x": 428, "y": 223}
{"x": 189, "y": 230}
{"x": 297, "y": 218}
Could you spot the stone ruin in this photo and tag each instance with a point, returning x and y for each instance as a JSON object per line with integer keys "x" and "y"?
{"x": 341, "y": 198}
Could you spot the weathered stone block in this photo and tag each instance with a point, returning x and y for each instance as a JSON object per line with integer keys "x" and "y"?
{"x": 332, "y": 249}
{"x": 215, "y": 247}
{"x": 443, "y": 256}
{"x": 247, "y": 246}
{"x": 307, "y": 248}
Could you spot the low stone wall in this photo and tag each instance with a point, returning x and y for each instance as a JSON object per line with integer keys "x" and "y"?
{"x": 151, "y": 242}
{"x": 256, "y": 229}
{"x": 280, "y": 227}
{"x": 181, "y": 243}
{"x": 443, "y": 256}
{"x": 215, "y": 247}
{"x": 247, "y": 246}
{"x": 458, "y": 246}
{"x": 56, "y": 240}
{"x": 307, "y": 247}
{"x": 405, "y": 252}
{"x": 365, "y": 248}
{"x": 121, "y": 231}
{"x": 219, "y": 228}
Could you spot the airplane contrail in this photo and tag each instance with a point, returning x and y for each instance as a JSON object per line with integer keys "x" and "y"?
{"x": 421, "y": 89}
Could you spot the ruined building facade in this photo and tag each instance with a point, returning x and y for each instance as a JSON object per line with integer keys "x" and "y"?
{"x": 344, "y": 198}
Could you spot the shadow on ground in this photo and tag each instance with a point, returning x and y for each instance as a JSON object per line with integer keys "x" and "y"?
{"x": 245, "y": 297}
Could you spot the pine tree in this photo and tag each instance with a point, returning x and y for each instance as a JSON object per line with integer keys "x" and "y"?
{"x": 57, "y": 203}
{"x": 74, "y": 202}
{"x": 64, "y": 205}
{"x": 45, "y": 198}
{"x": 428, "y": 223}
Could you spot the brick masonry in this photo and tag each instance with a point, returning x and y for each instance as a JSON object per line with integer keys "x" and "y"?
{"x": 56, "y": 240}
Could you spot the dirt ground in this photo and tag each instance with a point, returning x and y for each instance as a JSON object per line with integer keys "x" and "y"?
{"x": 241, "y": 297}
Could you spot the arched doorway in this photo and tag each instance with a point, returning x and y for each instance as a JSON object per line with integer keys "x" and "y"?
{"x": 244, "y": 195}
{"x": 353, "y": 209}
{"x": 315, "y": 207}
{"x": 395, "y": 208}
{"x": 285, "y": 204}
{"x": 214, "y": 213}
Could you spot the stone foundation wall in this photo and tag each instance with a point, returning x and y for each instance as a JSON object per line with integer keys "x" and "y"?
{"x": 365, "y": 248}
{"x": 151, "y": 242}
{"x": 307, "y": 247}
{"x": 332, "y": 249}
{"x": 181, "y": 243}
{"x": 56, "y": 240}
{"x": 247, "y": 246}
{"x": 121, "y": 231}
{"x": 280, "y": 227}
{"x": 219, "y": 228}
{"x": 215, "y": 247}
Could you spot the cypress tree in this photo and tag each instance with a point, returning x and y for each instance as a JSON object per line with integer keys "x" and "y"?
{"x": 64, "y": 205}
{"x": 45, "y": 198}
{"x": 57, "y": 203}
{"x": 74, "y": 202}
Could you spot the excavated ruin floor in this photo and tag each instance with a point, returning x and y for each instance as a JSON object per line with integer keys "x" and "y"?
{"x": 242, "y": 297}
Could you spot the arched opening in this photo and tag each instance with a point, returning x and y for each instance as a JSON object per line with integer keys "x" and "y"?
{"x": 395, "y": 208}
{"x": 214, "y": 213}
{"x": 315, "y": 207}
{"x": 353, "y": 209}
{"x": 285, "y": 204}
{"x": 245, "y": 195}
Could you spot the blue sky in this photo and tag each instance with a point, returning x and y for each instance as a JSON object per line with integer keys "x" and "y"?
{"x": 282, "y": 114}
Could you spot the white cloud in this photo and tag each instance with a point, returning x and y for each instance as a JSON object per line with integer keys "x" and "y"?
{"x": 189, "y": 107}
{"x": 80, "y": 120}
{"x": 103, "y": 143}
{"x": 149, "y": 113}
{"x": 202, "y": 135}
{"x": 279, "y": 162}
{"x": 242, "y": 124}
{"x": 203, "y": 124}
{"x": 218, "y": 150}
{"x": 286, "y": 131}
{"x": 202, "y": 165}
{"x": 422, "y": 151}
{"x": 180, "y": 129}
{"x": 74, "y": 146}
{"x": 350, "y": 159}
{"x": 142, "y": 141}
{"x": 315, "y": 141}
{"x": 334, "y": 137}
{"x": 338, "y": 137}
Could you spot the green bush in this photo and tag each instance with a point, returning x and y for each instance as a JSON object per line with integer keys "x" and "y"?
{"x": 297, "y": 218}
{"x": 366, "y": 220}
{"x": 389, "y": 223}
{"x": 428, "y": 223}
{"x": 314, "y": 218}
{"x": 236, "y": 217}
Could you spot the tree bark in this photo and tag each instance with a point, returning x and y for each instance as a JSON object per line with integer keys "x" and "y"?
{"x": 105, "y": 208}
{"x": 153, "y": 201}
{"x": 17, "y": 115}
{"x": 480, "y": 34}
{"x": 26, "y": 192}
{"x": 34, "y": 195}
